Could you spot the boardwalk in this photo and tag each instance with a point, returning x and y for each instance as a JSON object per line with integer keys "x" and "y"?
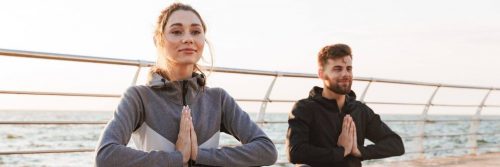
{"x": 483, "y": 160}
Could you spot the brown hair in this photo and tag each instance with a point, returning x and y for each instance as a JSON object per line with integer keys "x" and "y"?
{"x": 332, "y": 52}
{"x": 159, "y": 34}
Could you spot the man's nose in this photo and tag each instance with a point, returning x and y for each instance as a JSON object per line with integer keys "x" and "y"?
{"x": 346, "y": 73}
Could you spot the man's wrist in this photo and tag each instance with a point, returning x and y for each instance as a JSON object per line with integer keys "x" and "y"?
{"x": 346, "y": 152}
{"x": 356, "y": 153}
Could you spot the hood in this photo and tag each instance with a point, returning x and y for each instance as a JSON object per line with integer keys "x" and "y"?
{"x": 181, "y": 92}
{"x": 316, "y": 95}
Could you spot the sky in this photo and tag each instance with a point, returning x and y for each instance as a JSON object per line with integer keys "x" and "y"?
{"x": 446, "y": 41}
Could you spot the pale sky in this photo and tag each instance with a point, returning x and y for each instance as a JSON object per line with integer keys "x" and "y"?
{"x": 445, "y": 41}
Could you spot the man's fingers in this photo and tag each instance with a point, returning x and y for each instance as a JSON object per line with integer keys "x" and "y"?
{"x": 348, "y": 128}
{"x": 344, "y": 124}
{"x": 351, "y": 130}
{"x": 355, "y": 132}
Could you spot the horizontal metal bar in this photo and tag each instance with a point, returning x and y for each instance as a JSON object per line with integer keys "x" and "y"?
{"x": 87, "y": 122}
{"x": 262, "y": 72}
{"x": 455, "y": 105}
{"x": 424, "y": 83}
{"x": 92, "y": 150}
{"x": 435, "y": 150}
{"x": 448, "y": 135}
{"x": 51, "y": 122}
{"x": 46, "y": 151}
{"x": 276, "y": 142}
{"x": 108, "y": 95}
{"x": 243, "y": 100}
{"x": 68, "y": 57}
{"x": 85, "y": 150}
{"x": 489, "y": 133}
{"x": 239, "y": 144}
{"x": 260, "y": 122}
{"x": 266, "y": 100}
{"x": 445, "y": 149}
{"x": 422, "y": 104}
{"x": 59, "y": 94}
{"x": 271, "y": 122}
{"x": 78, "y": 58}
{"x": 437, "y": 120}
{"x": 395, "y": 103}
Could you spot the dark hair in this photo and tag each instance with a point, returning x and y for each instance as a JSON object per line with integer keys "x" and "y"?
{"x": 332, "y": 52}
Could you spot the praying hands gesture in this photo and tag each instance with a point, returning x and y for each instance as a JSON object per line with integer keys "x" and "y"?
{"x": 187, "y": 142}
{"x": 348, "y": 138}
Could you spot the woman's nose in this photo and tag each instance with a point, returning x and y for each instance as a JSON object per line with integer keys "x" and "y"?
{"x": 187, "y": 39}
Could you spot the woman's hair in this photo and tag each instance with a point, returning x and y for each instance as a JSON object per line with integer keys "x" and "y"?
{"x": 159, "y": 38}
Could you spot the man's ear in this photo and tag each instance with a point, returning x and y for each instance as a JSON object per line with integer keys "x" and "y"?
{"x": 320, "y": 73}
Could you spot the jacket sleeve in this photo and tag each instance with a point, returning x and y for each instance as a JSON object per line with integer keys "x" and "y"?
{"x": 256, "y": 149}
{"x": 299, "y": 149}
{"x": 112, "y": 150}
{"x": 386, "y": 142}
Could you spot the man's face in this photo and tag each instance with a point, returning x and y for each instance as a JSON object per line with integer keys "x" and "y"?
{"x": 337, "y": 75}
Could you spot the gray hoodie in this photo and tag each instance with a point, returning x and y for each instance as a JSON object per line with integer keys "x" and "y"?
{"x": 150, "y": 115}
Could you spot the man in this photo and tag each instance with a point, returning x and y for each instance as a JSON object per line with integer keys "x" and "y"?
{"x": 329, "y": 127}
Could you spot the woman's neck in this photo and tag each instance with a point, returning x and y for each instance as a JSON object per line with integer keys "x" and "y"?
{"x": 180, "y": 72}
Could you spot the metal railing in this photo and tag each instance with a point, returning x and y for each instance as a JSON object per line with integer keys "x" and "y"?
{"x": 472, "y": 134}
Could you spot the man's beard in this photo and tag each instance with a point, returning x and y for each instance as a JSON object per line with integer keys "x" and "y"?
{"x": 343, "y": 90}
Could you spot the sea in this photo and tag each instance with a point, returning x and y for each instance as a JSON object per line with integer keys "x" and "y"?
{"x": 48, "y": 137}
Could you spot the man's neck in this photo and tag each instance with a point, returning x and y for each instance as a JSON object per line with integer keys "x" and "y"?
{"x": 340, "y": 98}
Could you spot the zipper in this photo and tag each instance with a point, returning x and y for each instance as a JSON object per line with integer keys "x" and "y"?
{"x": 184, "y": 103}
{"x": 184, "y": 92}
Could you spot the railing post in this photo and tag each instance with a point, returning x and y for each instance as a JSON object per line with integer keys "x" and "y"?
{"x": 263, "y": 106}
{"x": 362, "y": 98}
{"x": 474, "y": 126}
{"x": 421, "y": 124}
{"x": 134, "y": 81}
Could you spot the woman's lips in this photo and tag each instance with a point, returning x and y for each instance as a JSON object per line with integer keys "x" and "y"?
{"x": 187, "y": 50}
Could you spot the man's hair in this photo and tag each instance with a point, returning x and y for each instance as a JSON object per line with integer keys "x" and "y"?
{"x": 333, "y": 52}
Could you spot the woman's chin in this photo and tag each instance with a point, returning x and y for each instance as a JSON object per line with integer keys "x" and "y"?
{"x": 187, "y": 62}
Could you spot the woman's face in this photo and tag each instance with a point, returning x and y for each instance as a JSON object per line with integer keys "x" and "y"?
{"x": 184, "y": 37}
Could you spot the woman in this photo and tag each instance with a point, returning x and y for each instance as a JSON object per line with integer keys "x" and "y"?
{"x": 175, "y": 120}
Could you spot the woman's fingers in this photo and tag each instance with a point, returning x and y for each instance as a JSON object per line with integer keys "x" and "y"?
{"x": 194, "y": 140}
{"x": 186, "y": 121}
{"x": 187, "y": 126}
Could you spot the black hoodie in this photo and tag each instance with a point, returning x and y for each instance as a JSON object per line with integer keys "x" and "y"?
{"x": 315, "y": 124}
